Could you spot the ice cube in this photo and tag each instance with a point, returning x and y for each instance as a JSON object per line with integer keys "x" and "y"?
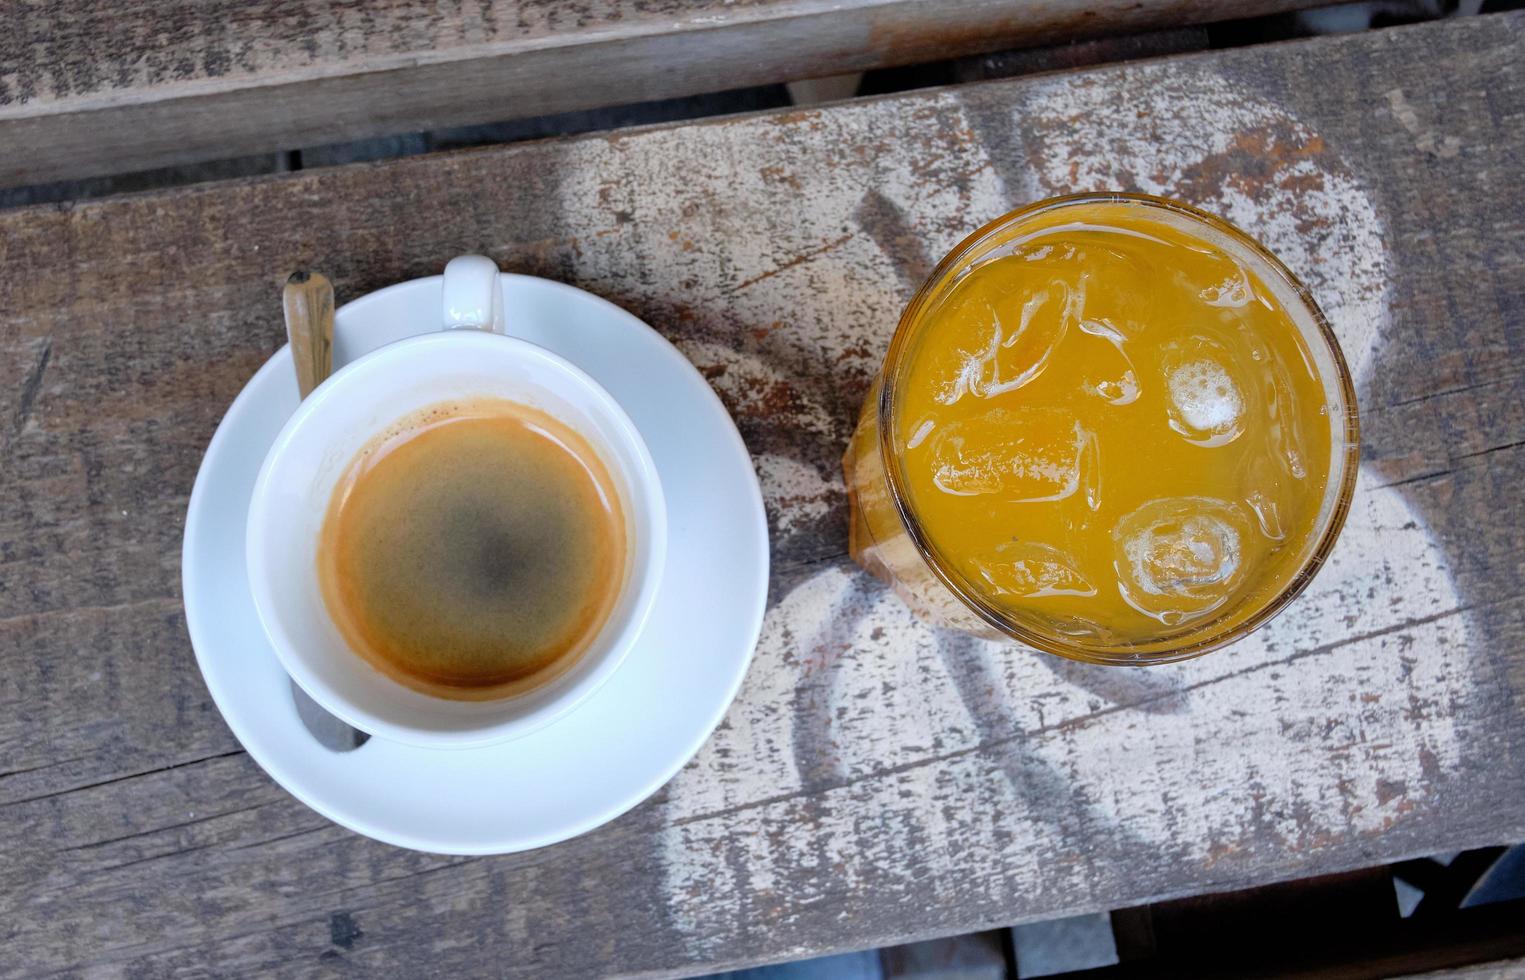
{"x": 1017, "y": 344}
{"x": 972, "y": 366}
{"x": 1284, "y": 427}
{"x": 1205, "y": 397}
{"x": 1090, "y": 471}
{"x": 922, "y": 431}
{"x": 1022, "y": 454}
{"x": 1032, "y": 570}
{"x": 1264, "y": 486}
{"x": 1234, "y": 292}
{"x": 1179, "y": 558}
{"x": 1115, "y": 391}
{"x": 1124, "y": 289}
{"x": 1105, "y": 329}
{"x": 1206, "y": 403}
{"x": 1267, "y": 514}
{"x": 1113, "y": 378}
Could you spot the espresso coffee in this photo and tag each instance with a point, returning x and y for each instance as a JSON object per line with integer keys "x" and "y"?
{"x": 473, "y": 550}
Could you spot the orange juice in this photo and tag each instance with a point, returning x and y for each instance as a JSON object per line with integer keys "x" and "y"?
{"x": 1111, "y": 429}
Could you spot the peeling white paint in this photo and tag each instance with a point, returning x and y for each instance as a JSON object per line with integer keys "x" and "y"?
{"x": 869, "y": 755}
{"x": 1284, "y": 737}
{"x": 795, "y": 492}
{"x": 1317, "y": 218}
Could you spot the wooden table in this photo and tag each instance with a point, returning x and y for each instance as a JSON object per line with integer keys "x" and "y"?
{"x": 88, "y": 88}
{"x": 875, "y": 781}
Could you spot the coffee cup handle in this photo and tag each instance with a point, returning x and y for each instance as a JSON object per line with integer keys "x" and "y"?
{"x": 473, "y": 298}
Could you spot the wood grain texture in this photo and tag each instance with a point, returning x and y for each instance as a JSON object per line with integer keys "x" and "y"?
{"x": 875, "y": 781}
{"x": 89, "y": 89}
{"x": 1503, "y": 970}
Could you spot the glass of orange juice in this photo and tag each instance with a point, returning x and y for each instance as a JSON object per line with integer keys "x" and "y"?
{"x": 1109, "y": 426}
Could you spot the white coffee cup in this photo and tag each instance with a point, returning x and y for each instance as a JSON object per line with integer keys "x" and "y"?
{"x": 470, "y": 357}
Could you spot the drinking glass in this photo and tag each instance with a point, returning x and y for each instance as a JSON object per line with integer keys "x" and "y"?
{"x": 888, "y": 539}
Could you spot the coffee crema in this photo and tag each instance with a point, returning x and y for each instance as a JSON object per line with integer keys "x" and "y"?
{"x": 473, "y": 550}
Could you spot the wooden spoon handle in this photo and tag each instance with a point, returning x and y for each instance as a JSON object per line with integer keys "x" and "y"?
{"x": 309, "y": 301}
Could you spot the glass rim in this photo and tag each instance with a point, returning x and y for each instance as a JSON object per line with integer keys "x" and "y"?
{"x": 1161, "y": 651}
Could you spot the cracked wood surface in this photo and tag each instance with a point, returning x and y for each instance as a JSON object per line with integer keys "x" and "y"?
{"x": 875, "y": 781}
{"x": 88, "y": 89}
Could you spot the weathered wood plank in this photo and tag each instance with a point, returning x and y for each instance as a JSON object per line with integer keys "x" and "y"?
{"x": 1503, "y": 970}
{"x": 875, "y": 781}
{"x": 89, "y": 89}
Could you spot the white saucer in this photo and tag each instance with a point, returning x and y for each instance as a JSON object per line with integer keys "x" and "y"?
{"x": 629, "y": 737}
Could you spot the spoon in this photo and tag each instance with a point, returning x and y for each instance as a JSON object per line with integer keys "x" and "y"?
{"x": 309, "y": 301}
